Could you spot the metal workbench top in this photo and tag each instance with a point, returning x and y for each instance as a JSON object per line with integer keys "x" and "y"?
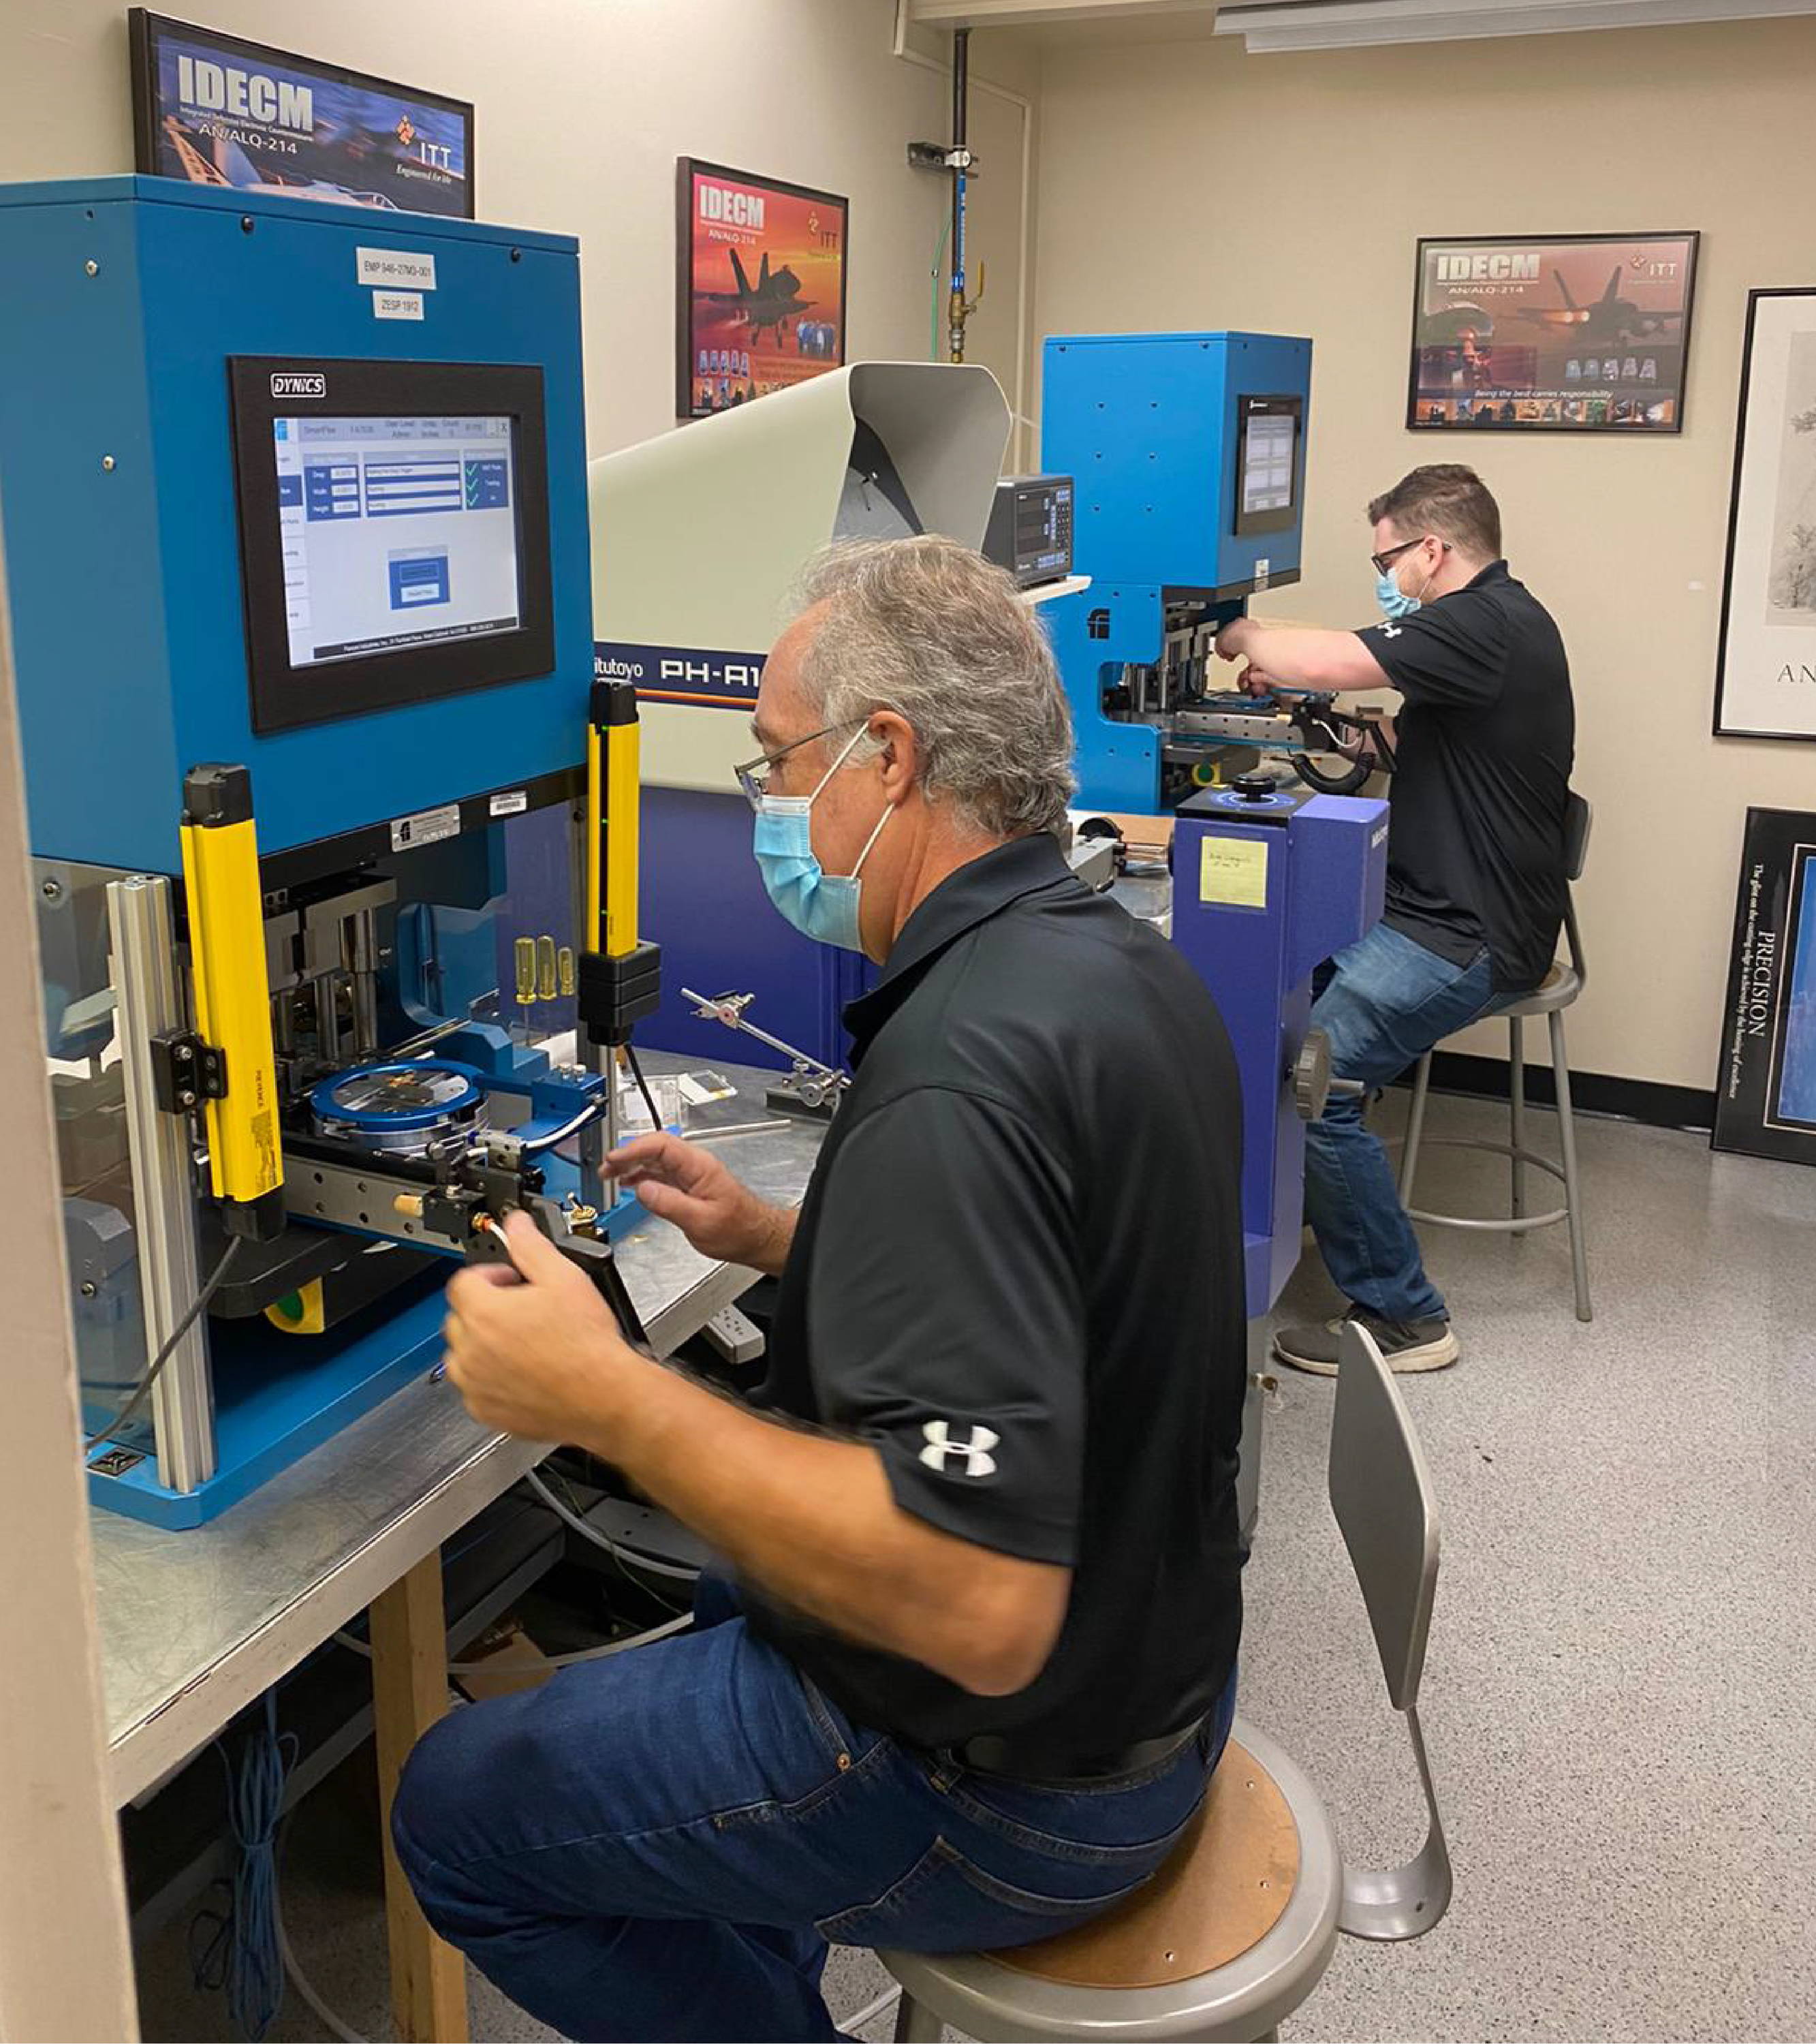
{"x": 195, "y": 1625}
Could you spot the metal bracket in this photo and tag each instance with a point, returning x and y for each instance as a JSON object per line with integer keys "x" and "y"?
{"x": 185, "y": 1071}
{"x": 936, "y": 156}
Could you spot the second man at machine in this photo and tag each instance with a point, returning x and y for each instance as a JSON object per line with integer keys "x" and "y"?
{"x": 1475, "y": 866}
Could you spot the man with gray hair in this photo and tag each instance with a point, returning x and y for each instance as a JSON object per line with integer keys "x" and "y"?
{"x": 979, "y": 1659}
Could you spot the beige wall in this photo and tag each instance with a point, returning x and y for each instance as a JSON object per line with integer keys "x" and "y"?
{"x": 583, "y": 107}
{"x": 1191, "y": 185}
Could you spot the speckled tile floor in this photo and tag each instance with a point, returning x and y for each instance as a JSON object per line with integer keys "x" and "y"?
{"x": 1618, "y": 1697}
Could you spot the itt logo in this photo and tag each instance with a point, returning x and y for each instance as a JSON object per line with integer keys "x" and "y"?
{"x": 298, "y": 383}
{"x": 952, "y": 1456}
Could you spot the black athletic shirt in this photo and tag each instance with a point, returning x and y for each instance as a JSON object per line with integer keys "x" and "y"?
{"x": 1485, "y": 740}
{"x": 1017, "y": 1274}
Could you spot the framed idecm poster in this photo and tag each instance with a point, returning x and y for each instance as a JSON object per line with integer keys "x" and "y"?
{"x": 1571, "y": 333}
{"x": 218, "y": 110}
{"x": 761, "y": 286}
{"x": 1765, "y": 1091}
{"x": 1765, "y": 670}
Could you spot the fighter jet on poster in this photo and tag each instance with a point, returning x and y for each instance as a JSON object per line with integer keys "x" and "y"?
{"x": 772, "y": 301}
{"x": 1610, "y": 319}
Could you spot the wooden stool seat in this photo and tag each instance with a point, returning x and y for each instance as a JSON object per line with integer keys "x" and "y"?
{"x": 1226, "y": 1885}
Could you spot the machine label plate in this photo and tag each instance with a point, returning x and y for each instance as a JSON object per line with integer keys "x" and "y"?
{"x": 1233, "y": 872}
{"x": 427, "y": 827}
{"x": 703, "y": 675}
{"x": 398, "y": 269}
{"x": 397, "y": 304}
{"x": 513, "y": 805}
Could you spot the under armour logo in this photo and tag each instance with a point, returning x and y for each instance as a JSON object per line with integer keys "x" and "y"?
{"x": 1388, "y": 631}
{"x": 969, "y": 1457}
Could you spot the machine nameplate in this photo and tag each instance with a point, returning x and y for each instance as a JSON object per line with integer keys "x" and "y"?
{"x": 700, "y": 675}
{"x": 402, "y": 269}
{"x": 427, "y": 827}
{"x": 513, "y": 804}
{"x": 1233, "y": 872}
{"x": 397, "y": 304}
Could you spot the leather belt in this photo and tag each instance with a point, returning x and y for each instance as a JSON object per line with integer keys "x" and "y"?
{"x": 991, "y": 1752}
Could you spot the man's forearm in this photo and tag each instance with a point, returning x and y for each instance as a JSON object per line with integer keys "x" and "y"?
{"x": 1303, "y": 657}
{"x": 812, "y": 1519}
{"x": 773, "y": 1237}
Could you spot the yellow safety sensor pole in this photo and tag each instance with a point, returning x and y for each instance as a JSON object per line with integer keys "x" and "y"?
{"x": 619, "y": 979}
{"x": 232, "y": 998}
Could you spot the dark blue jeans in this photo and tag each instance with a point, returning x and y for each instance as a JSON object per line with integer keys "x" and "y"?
{"x": 660, "y": 1845}
{"x": 1384, "y": 1003}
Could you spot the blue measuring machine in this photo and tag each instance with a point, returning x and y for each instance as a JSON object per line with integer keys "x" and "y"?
{"x": 338, "y": 887}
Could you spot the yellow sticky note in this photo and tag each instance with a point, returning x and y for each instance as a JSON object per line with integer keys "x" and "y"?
{"x": 1233, "y": 871}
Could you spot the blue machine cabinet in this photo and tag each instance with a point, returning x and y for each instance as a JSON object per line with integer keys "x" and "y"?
{"x": 1188, "y": 453}
{"x": 127, "y": 300}
{"x": 1172, "y": 462}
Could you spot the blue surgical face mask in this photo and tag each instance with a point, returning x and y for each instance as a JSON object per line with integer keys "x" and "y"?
{"x": 1393, "y": 600}
{"x": 820, "y": 905}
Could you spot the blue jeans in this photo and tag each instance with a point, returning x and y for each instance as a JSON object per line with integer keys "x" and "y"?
{"x": 1384, "y": 1003}
{"x": 660, "y": 1845}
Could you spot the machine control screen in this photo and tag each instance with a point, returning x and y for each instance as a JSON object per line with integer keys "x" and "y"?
{"x": 396, "y": 532}
{"x": 1267, "y": 470}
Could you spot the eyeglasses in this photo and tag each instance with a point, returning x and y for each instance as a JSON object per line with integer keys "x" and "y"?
{"x": 1384, "y": 562}
{"x": 753, "y": 775}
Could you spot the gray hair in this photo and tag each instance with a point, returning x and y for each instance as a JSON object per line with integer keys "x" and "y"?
{"x": 929, "y": 629}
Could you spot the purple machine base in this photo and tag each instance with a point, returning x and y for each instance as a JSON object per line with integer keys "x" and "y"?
{"x": 1263, "y": 892}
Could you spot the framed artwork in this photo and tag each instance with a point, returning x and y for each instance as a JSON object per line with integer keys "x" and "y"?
{"x": 1765, "y": 1091}
{"x": 1571, "y": 333}
{"x": 216, "y": 109}
{"x": 761, "y": 286}
{"x": 1765, "y": 671}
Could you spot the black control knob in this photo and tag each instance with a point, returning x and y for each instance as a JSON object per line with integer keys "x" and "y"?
{"x": 1255, "y": 787}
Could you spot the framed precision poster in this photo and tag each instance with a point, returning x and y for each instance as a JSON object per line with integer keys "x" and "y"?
{"x": 1551, "y": 333}
{"x": 216, "y": 109}
{"x": 1765, "y": 1091}
{"x": 761, "y": 286}
{"x": 1765, "y": 671}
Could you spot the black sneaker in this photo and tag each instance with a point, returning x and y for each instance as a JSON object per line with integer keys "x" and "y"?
{"x": 1405, "y": 1345}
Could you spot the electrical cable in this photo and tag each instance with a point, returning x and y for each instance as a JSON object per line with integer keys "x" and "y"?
{"x": 618, "y": 1554}
{"x": 588, "y": 1531}
{"x": 642, "y": 1087}
{"x": 852, "y": 2024}
{"x": 300, "y": 1982}
{"x": 136, "y": 1404}
{"x": 244, "y": 1954}
{"x": 363, "y": 1648}
{"x": 535, "y": 1146}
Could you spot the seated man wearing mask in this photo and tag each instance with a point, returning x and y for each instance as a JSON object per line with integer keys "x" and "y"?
{"x": 980, "y": 1658}
{"x": 1475, "y": 865}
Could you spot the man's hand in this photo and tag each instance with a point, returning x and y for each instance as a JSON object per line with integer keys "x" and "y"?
{"x": 533, "y": 1350}
{"x": 1236, "y": 640}
{"x": 689, "y": 1185}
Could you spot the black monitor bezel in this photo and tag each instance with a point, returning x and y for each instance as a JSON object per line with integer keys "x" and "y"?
{"x": 1275, "y": 404}
{"x": 289, "y": 698}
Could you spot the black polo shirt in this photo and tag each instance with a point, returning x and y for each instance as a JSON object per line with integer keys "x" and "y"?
{"x": 1017, "y": 1274}
{"x": 1475, "y": 855}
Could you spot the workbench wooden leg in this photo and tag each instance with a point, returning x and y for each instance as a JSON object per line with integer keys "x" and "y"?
{"x": 409, "y": 1691}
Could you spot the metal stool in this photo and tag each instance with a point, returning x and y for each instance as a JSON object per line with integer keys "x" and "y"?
{"x": 1560, "y": 987}
{"x": 1237, "y": 1927}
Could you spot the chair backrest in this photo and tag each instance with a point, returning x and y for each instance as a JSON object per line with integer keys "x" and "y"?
{"x": 1579, "y": 819}
{"x": 1382, "y": 1496}
{"x": 1382, "y": 1499}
